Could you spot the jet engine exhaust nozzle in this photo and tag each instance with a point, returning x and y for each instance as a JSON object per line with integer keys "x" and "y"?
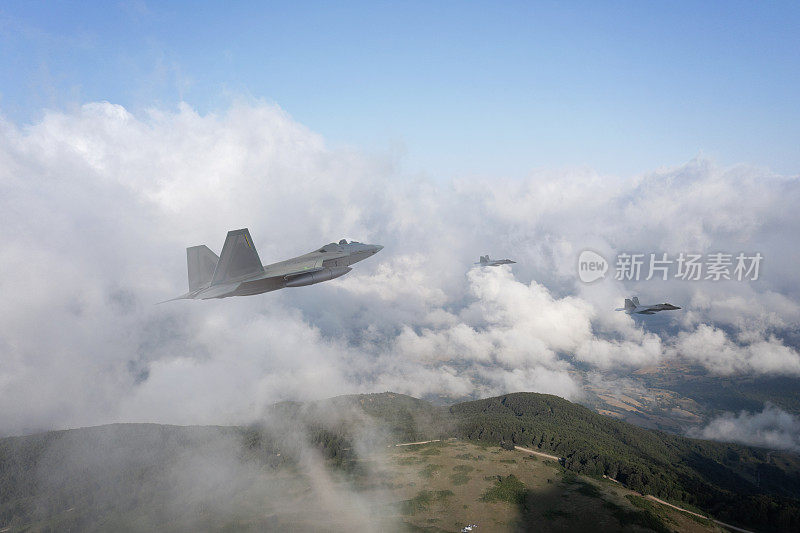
{"x": 317, "y": 277}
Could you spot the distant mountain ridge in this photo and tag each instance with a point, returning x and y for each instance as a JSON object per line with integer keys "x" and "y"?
{"x": 749, "y": 486}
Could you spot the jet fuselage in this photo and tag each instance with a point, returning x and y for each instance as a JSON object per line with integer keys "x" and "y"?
{"x": 238, "y": 270}
{"x": 336, "y": 261}
{"x": 633, "y": 307}
{"x": 485, "y": 261}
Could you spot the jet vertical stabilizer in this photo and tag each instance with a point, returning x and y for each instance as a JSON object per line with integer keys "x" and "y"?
{"x": 238, "y": 259}
{"x": 201, "y": 263}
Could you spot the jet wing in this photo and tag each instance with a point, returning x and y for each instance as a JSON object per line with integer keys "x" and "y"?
{"x": 289, "y": 269}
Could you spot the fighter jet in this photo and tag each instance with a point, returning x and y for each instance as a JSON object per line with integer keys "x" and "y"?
{"x": 238, "y": 270}
{"x": 632, "y": 306}
{"x": 485, "y": 261}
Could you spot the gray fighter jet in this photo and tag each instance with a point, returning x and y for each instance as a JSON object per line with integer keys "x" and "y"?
{"x": 485, "y": 261}
{"x": 239, "y": 272}
{"x": 632, "y": 306}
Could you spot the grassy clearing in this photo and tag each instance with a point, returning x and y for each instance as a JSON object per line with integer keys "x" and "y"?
{"x": 459, "y": 479}
{"x": 506, "y": 489}
{"x": 470, "y": 457}
{"x": 423, "y": 500}
{"x": 431, "y": 451}
{"x": 468, "y": 485}
{"x": 411, "y": 460}
{"x": 429, "y": 471}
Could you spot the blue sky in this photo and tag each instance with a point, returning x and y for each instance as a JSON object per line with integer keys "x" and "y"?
{"x": 454, "y": 88}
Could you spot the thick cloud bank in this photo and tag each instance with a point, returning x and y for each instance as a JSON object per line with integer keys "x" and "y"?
{"x": 97, "y": 206}
{"x": 771, "y": 428}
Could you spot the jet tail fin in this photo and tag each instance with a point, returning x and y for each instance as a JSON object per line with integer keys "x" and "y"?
{"x": 238, "y": 259}
{"x": 629, "y": 305}
{"x": 484, "y": 259}
{"x": 635, "y": 301}
{"x": 201, "y": 263}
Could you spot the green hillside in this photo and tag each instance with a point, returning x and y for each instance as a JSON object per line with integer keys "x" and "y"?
{"x": 123, "y": 476}
{"x": 402, "y": 418}
{"x": 733, "y": 482}
{"x": 147, "y": 476}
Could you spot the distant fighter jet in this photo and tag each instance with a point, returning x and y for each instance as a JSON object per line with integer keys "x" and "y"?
{"x": 238, "y": 271}
{"x": 632, "y": 306}
{"x": 485, "y": 261}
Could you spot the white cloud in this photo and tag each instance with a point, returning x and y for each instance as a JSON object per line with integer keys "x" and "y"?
{"x": 712, "y": 348}
{"x": 96, "y": 206}
{"x": 771, "y": 428}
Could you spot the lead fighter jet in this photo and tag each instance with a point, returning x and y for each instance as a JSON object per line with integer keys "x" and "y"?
{"x": 632, "y": 306}
{"x": 485, "y": 261}
{"x": 239, "y": 272}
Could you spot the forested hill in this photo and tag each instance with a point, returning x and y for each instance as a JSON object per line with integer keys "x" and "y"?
{"x": 751, "y": 486}
{"x": 735, "y": 483}
{"x": 402, "y": 418}
{"x": 121, "y": 471}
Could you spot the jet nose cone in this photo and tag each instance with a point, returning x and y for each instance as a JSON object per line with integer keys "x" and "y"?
{"x": 377, "y": 248}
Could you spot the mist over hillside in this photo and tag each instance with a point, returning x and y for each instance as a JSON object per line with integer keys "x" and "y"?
{"x": 318, "y": 461}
